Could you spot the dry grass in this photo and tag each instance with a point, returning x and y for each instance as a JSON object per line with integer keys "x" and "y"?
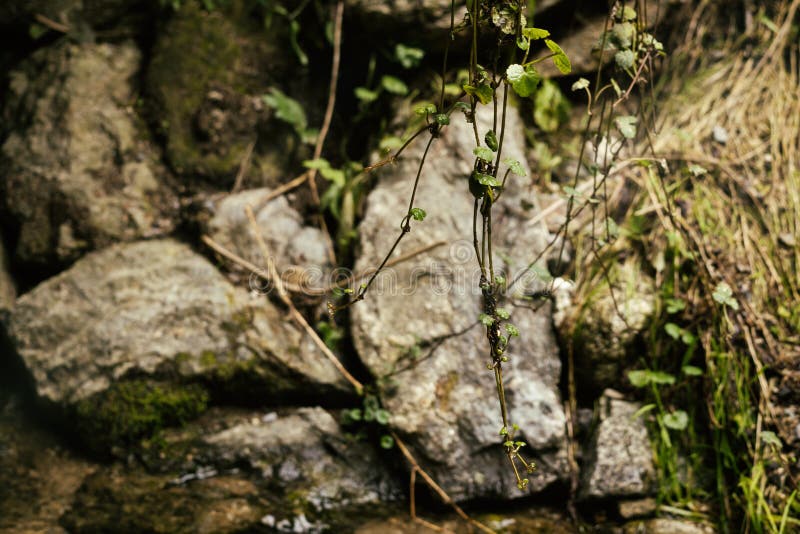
{"x": 719, "y": 191}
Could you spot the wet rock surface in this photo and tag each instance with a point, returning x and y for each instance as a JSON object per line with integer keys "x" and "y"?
{"x": 619, "y": 461}
{"x": 417, "y": 327}
{"x": 78, "y": 170}
{"x": 159, "y": 318}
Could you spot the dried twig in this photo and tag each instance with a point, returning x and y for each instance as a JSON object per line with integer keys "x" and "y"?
{"x": 50, "y": 23}
{"x": 244, "y": 167}
{"x": 326, "y": 122}
{"x": 296, "y": 315}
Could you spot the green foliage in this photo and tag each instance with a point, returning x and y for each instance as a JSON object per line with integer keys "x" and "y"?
{"x": 291, "y": 112}
{"x": 551, "y": 107}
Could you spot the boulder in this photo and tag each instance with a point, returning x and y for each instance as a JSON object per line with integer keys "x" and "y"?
{"x": 619, "y": 460}
{"x": 417, "y": 329}
{"x": 290, "y": 472}
{"x": 299, "y": 251}
{"x": 668, "y": 526}
{"x": 204, "y": 88}
{"x": 77, "y": 171}
{"x": 609, "y": 324}
{"x": 135, "y": 337}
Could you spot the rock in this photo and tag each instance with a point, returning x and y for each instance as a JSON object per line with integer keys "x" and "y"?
{"x": 668, "y": 526}
{"x": 295, "y": 472}
{"x": 606, "y": 329}
{"x": 619, "y": 462}
{"x": 305, "y": 454}
{"x": 422, "y": 22}
{"x": 299, "y": 251}
{"x": 416, "y": 329}
{"x": 582, "y": 45}
{"x": 78, "y": 171}
{"x": 205, "y": 82}
{"x": 8, "y": 291}
{"x": 637, "y": 507}
{"x": 145, "y": 328}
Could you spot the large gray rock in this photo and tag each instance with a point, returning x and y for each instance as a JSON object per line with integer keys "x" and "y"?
{"x": 299, "y": 251}
{"x": 293, "y": 472}
{"x": 305, "y": 453}
{"x": 416, "y": 328}
{"x": 619, "y": 462}
{"x": 77, "y": 171}
{"x": 157, "y": 311}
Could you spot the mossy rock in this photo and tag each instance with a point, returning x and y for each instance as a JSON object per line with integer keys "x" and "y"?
{"x": 132, "y": 411}
{"x": 204, "y": 82}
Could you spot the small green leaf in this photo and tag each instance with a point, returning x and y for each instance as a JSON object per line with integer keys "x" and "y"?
{"x": 354, "y": 414}
{"x": 382, "y": 417}
{"x": 487, "y": 180}
{"x": 691, "y": 370}
{"x": 628, "y": 13}
{"x": 582, "y": 83}
{"x": 365, "y": 95}
{"x": 643, "y": 410}
{"x": 660, "y": 377}
{"x": 626, "y": 126}
{"x": 515, "y": 166}
{"x": 724, "y": 295}
{"x": 571, "y": 191}
{"x": 512, "y": 330}
{"x": 638, "y": 378}
{"x": 286, "y": 109}
{"x": 696, "y": 170}
{"x": 387, "y": 441}
{"x": 675, "y": 305}
{"x": 625, "y": 59}
{"x": 677, "y": 420}
{"x": 483, "y": 92}
{"x": 523, "y": 80}
{"x": 424, "y": 109}
{"x": 673, "y": 330}
{"x": 560, "y": 60}
{"x": 491, "y": 140}
{"x": 484, "y": 153}
{"x": 485, "y": 319}
{"x": 394, "y": 85}
{"x": 504, "y": 431}
{"x": 418, "y": 214}
{"x": 442, "y": 119}
{"x": 502, "y": 313}
{"x": 770, "y": 438}
{"x": 535, "y": 33}
{"x": 408, "y": 56}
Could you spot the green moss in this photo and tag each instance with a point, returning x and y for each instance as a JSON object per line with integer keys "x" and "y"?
{"x": 208, "y": 358}
{"x": 131, "y": 411}
{"x": 197, "y": 48}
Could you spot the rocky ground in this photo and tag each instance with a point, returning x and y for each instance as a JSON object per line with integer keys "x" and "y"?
{"x": 148, "y": 388}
